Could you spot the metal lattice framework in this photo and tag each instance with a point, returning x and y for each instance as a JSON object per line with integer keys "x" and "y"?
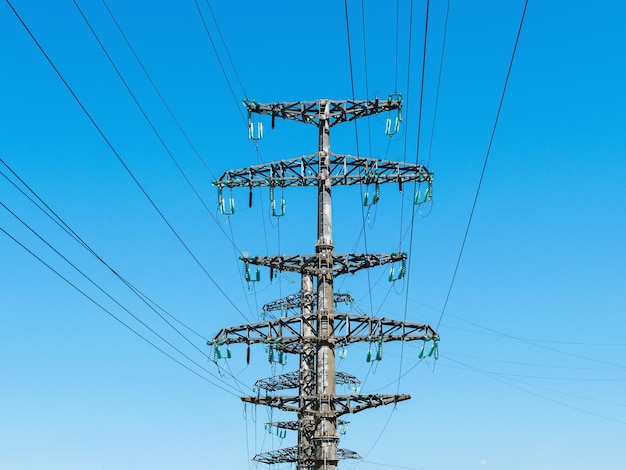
{"x": 314, "y": 334}
{"x": 344, "y": 170}
{"x": 292, "y": 380}
{"x": 295, "y": 301}
{"x": 310, "y": 264}
{"x": 324, "y": 112}
{"x": 337, "y": 405}
{"x": 290, "y": 454}
{"x": 285, "y": 334}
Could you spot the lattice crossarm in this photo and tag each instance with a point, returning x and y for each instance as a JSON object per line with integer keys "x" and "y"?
{"x": 333, "y": 111}
{"x": 357, "y": 403}
{"x": 284, "y": 403}
{"x": 350, "y": 328}
{"x": 279, "y": 331}
{"x": 308, "y": 264}
{"x": 344, "y": 170}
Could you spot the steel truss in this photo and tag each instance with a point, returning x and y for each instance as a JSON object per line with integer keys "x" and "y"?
{"x": 337, "y": 405}
{"x": 284, "y": 334}
{"x": 319, "y": 329}
{"x": 292, "y": 380}
{"x": 294, "y": 301}
{"x": 343, "y": 170}
{"x": 290, "y": 454}
{"x": 330, "y": 112}
{"x": 310, "y": 264}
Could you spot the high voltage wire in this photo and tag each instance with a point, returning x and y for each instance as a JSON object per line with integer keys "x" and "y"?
{"x": 119, "y": 158}
{"x": 230, "y": 87}
{"x": 145, "y": 116}
{"x": 356, "y": 131}
{"x": 52, "y": 215}
{"x": 499, "y": 378}
{"x": 484, "y": 168}
{"x": 157, "y": 91}
{"x": 59, "y": 221}
{"x": 95, "y": 284}
{"x": 111, "y": 314}
{"x": 230, "y": 237}
{"x": 443, "y": 49}
{"x": 419, "y": 123}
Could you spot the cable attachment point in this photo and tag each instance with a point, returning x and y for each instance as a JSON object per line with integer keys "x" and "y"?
{"x": 434, "y": 350}
{"x": 367, "y": 201}
{"x": 217, "y": 351}
{"x": 230, "y": 210}
{"x": 379, "y": 350}
{"x": 393, "y": 127}
{"x": 252, "y": 135}
{"x": 401, "y": 273}
{"x": 248, "y": 277}
{"x": 274, "y": 212}
{"x": 426, "y": 197}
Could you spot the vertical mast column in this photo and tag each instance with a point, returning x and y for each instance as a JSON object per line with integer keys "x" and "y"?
{"x": 326, "y": 436}
{"x": 306, "y": 417}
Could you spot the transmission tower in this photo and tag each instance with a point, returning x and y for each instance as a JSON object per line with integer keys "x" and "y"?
{"x": 318, "y": 329}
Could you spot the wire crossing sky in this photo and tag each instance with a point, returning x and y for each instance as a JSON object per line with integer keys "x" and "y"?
{"x": 105, "y": 312}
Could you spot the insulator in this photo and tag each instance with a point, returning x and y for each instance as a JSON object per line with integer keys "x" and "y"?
{"x": 222, "y": 204}
{"x": 401, "y": 272}
{"x": 228, "y": 353}
{"x": 248, "y": 355}
{"x": 250, "y": 199}
{"x": 248, "y": 277}
{"x": 421, "y": 354}
{"x": 379, "y": 350}
{"x": 259, "y": 128}
{"x": 389, "y": 129}
{"x": 428, "y": 195}
{"x": 368, "y": 358}
{"x": 403, "y": 268}
{"x": 366, "y": 199}
{"x": 274, "y": 212}
{"x": 270, "y": 354}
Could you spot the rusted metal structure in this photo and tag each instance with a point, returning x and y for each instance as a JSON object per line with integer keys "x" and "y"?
{"x": 316, "y": 332}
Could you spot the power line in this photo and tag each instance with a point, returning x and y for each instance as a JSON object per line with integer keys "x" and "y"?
{"x": 119, "y": 158}
{"x": 54, "y": 217}
{"x": 419, "y": 128}
{"x": 498, "y": 378}
{"x": 95, "y": 284}
{"x": 157, "y": 91}
{"x": 482, "y": 173}
{"x": 230, "y": 59}
{"x": 219, "y": 61}
{"x": 356, "y": 132}
{"x": 443, "y": 48}
{"x": 115, "y": 317}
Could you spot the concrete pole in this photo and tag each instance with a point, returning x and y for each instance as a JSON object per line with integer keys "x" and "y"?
{"x": 306, "y": 416}
{"x": 326, "y": 438}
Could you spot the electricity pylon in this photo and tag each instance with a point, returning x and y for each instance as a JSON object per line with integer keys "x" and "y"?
{"x": 318, "y": 330}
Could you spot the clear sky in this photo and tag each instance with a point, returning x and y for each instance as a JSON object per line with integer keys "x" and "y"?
{"x": 532, "y": 365}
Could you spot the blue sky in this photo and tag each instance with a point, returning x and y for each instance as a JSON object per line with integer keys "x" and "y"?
{"x": 532, "y": 364}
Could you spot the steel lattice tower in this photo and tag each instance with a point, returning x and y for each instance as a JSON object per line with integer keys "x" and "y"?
{"x": 314, "y": 334}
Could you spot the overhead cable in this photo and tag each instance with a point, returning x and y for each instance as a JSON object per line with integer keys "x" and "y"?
{"x": 121, "y": 160}
{"x": 482, "y": 173}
